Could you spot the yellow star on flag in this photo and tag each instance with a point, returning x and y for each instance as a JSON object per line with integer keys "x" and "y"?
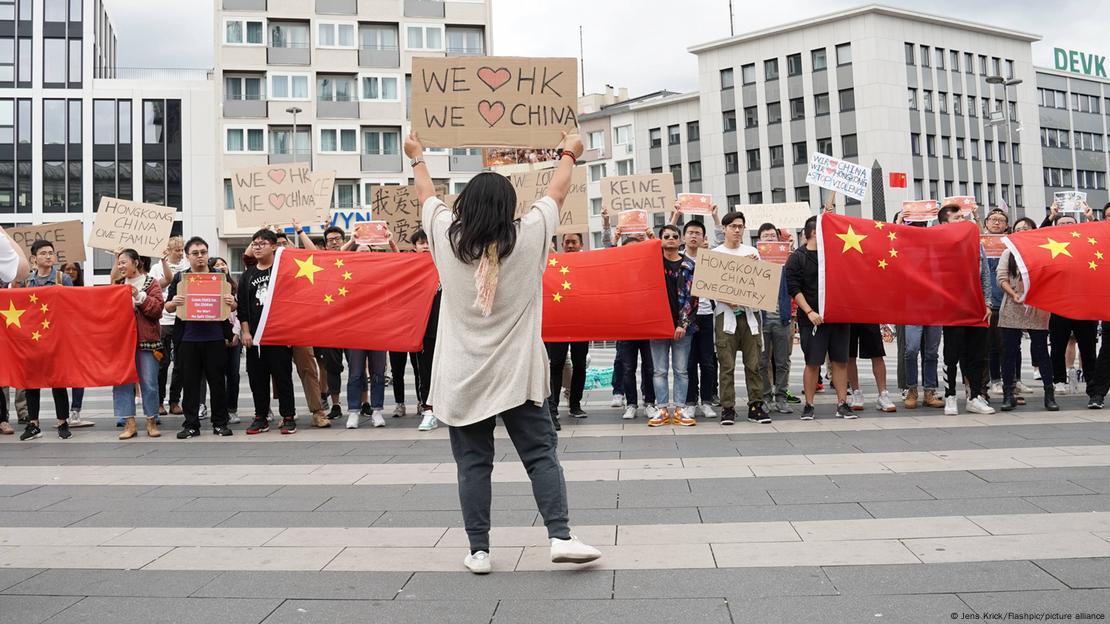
{"x": 307, "y": 269}
{"x": 553, "y": 262}
{"x": 882, "y": 264}
{"x": 1092, "y": 241}
{"x": 36, "y": 336}
{"x": 1075, "y": 234}
{"x": 44, "y": 308}
{"x": 893, "y": 253}
{"x": 566, "y": 285}
{"x": 564, "y": 270}
{"x": 339, "y": 263}
{"x": 852, "y": 240}
{"x": 879, "y": 225}
{"x": 328, "y": 299}
{"x": 1098, "y": 254}
{"x": 11, "y": 315}
{"x": 34, "y": 298}
{"x": 1092, "y": 265}
{"x": 347, "y": 275}
{"x": 557, "y": 297}
{"x": 1056, "y": 248}
{"x": 343, "y": 292}
{"x": 46, "y": 323}
{"x": 892, "y": 236}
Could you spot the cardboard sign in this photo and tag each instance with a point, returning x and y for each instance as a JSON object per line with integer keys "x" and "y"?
{"x": 131, "y": 224}
{"x": 532, "y": 185}
{"x": 839, "y": 176}
{"x": 500, "y": 101}
{"x": 1069, "y": 201}
{"x": 967, "y": 203}
{"x": 203, "y": 294}
{"x": 399, "y": 208}
{"x": 993, "y": 245}
{"x": 278, "y": 194}
{"x": 695, "y": 203}
{"x": 653, "y": 192}
{"x": 789, "y": 215}
{"x": 737, "y": 280}
{"x": 775, "y": 252}
{"x": 373, "y": 233}
{"x": 634, "y": 221}
{"x": 919, "y": 211}
{"x": 68, "y": 238}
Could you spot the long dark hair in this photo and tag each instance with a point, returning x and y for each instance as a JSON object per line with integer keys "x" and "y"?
{"x": 80, "y": 281}
{"x": 485, "y": 213}
{"x": 1013, "y": 267}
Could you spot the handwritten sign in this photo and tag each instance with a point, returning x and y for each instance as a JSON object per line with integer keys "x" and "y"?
{"x": 695, "y": 203}
{"x": 839, "y": 176}
{"x": 775, "y": 252}
{"x": 737, "y": 280}
{"x": 652, "y": 192}
{"x": 789, "y": 215}
{"x": 967, "y": 203}
{"x": 494, "y": 101}
{"x": 634, "y": 221}
{"x": 1069, "y": 201}
{"x": 920, "y": 210}
{"x": 993, "y": 245}
{"x": 373, "y": 233}
{"x": 399, "y": 207}
{"x": 67, "y": 236}
{"x": 532, "y": 185}
{"x": 131, "y": 224}
{"x": 278, "y": 194}
{"x": 203, "y": 294}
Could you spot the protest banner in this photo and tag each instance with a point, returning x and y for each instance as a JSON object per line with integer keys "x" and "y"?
{"x": 775, "y": 252}
{"x": 532, "y": 185}
{"x": 204, "y": 293}
{"x": 839, "y": 176}
{"x": 68, "y": 238}
{"x": 695, "y": 203}
{"x": 737, "y": 280}
{"x": 653, "y": 192}
{"x": 967, "y": 203}
{"x": 919, "y": 211}
{"x": 993, "y": 245}
{"x": 634, "y": 221}
{"x": 131, "y": 224}
{"x": 278, "y": 194}
{"x": 788, "y": 215}
{"x": 399, "y": 207}
{"x": 1070, "y": 201}
{"x": 373, "y": 233}
{"x": 494, "y": 101}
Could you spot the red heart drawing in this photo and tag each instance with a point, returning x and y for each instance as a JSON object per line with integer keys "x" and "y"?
{"x": 277, "y": 175}
{"x": 492, "y": 112}
{"x": 494, "y": 78}
{"x": 277, "y": 200}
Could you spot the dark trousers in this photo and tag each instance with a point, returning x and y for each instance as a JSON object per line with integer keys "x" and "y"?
{"x": 1011, "y": 359}
{"x": 1060, "y": 330}
{"x": 994, "y": 350}
{"x": 330, "y": 361}
{"x": 169, "y": 356}
{"x": 264, "y": 364}
{"x": 204, "y": 362}
{"x": 61, "y": 403}
{"x": 557, "y": 354}
{"x": 3, "y": 404}
{"x": 533, "y": 434}
{"x": 964, "y": 346}
{"x": 424, "y": 366}
{"x": 231, "y": 375}
{"x": 703, "y": 359}
{"x": 397, "y": 364}
{"x": 628, "y": 351}
{"x": 1099, "y": 381}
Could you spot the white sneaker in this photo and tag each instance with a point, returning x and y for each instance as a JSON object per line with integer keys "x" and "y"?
{"x": 376, "y": 418}
{"x": 1036, "y": 374}
{"x": 399, "y": 410}
{"x": 1073, "y": 381}
{"x": 856, "y": 401}
{"x": 76, "y": 422}
{"x": 950, "y": 407}
{"x": 572, "y": 551}
{"x": 429, "y": 421}
{"x": 979, "y": 406}
{"x": 650, "y": 411}
{"x": 478, "y": 563}
{"x": 618, "y": 401}
{"x": 629, "y": 412}
{"x": 1061, "y": 388}
{"x": 885, "y": 404}
{"x": 1020, "y": 388}
{"x": 707, "y": 411}
{"x": 996, "y": 387}
{"x": 689, "y": 410}
{"x": 233, "y": 418}
{"x": 352, "y": 419}
{"x": 202, "y": 411}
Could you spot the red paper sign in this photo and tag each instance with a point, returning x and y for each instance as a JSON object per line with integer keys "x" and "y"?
{"x": 374, "y": 233}
{"x": 966, "y": 203}
{"x": 773, "y": 251}
{"x": 897, "y": 180}
{"x": 633, "y": 221}
{"x": 919, "y": 211}
{"x": 993, "y": 245}
{"x": 695, "y": 203}
{"x": 204, "y": 296}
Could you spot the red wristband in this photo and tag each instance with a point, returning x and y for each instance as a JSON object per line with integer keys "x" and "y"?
{"x": 568, "y": 153}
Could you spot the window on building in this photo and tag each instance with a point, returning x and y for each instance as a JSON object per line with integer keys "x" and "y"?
{"x": 732, "y": 163}
{"x": 674, "y": 136}
{"x": 801, "y": 194}
{"x": 825, "y": 146}
{"x": 910, "y": 57}
{"x": 243, "y": 88}
{"x": 338, "y": 140}
{"x": 957, "y": 104}
{"x": 245, "y": 140}
{"x": 988, "y": 150}
{"x": 771, "y": 69}
{"x": 377, "y": 36}
{"x": 751, "y": 117}
{"x": 925, "y": 56}
{"x": 289, "y": 87}
{"x": 928, "y": 101}
{"x": 622, "y": 135}
{"x": 931, "y": 145}
{"x": 798, "y": 149}
{"x": 289, "y": 35}
{"x": 983, "y": 65}
{"x": 847, "y": 100}
{"x": 974, "y": 143}
{"x": 776, "y": 155}
{"x": 954, "y": 61}
{"x": 939, "y": 56}
{"x": 655, "y": 136}
{"x": 379, "y": 88}
{"x": 851, "y": 148}
{"x": 794, "y": 65}
{"x": 971, "y": 106}
{"x": 969, "y": 65}
{"x": 7, "y": 57}
{"x": 755, "y": 198}
{"x": 624, "y": 167}
{"x": 915, "y": 143}
{"x": 911, "y": 98}
{"x": 996, "y": 65}
{"x": 243, "y": 32}
{"x": 331, "y": 35}
{"x": 726, "y": 79}
{"x": 747, "y": 73}
{"x": 961, "y": 153}
{"x": 55, "y": 62}
{"x": 945, "y": 147}
{"x": 595, "y": 139}
{"x": 676, "y": 174}
{"x": 774, "y": 112}
{"x": 466, "y": 41}
{"x": 424, "y": 37}
{"x": 942, "y": 102}
{"x": 693, "y": 131}
{"x": 597, "y": 172}
{"x": 695, "y": 170}
{"x": 753, "y": 159}
{"x": 844, "y": 54}
{"x": 797, "y": 108}
{"x": 820, "y": 59}
{"x": 381, "y": 142}
{"x": 336, "y": 89}
{"x": 820, "y": 104}
{"x": 1094, "y": 180}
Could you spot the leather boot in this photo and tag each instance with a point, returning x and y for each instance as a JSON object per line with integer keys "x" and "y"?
{"x": 152, "y": 428}
{"x": 320, "y": 420}
{"x": 129, "y": 429}
{"x": 1008, "y": 403}
{"x": 1050, "y": 400}
{"x": 932, "y": 400}
{"x": 911, "y": 398}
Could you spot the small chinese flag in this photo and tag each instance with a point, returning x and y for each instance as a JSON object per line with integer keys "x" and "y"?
{"x": 1066, "y": 268}
{"x": 897, "y": 179}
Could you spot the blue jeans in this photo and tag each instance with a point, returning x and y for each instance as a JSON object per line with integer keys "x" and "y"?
{"x": 676, "y": 353}
{"x": 123, "y": 397}
{"x": 78, "y": 398}
{"x": 356, "y": 378}
{"x": 931, "y": 353}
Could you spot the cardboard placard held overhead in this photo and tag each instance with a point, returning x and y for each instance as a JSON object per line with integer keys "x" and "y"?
{"x": 839, "y": 176}
{"x": 204, "y": 297}
{"x": 791, "y": 216}
{"x": 131, "y": 224}
{"x": 737, "y": 280}
{"x": 532, "y": 185}
{"x": 278, "y": 194}
{"x": 399, "y": 206}
{"x": 493, "y": 101}
{"x": 68, "y": 238}
{"x": 653, "y": 192}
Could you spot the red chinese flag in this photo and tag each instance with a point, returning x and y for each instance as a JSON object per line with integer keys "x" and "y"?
{"x": 608, "y": 294}
{"x": 1066, "y": 269}
{"x": 877, "y": 272}
{"x": 349, "y": 300}
{"x": 897, "y": 180}
{"x": 67, "y": 337}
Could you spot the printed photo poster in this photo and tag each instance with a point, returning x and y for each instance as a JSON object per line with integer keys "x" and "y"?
{"x": 993, "y": 245}
{"x": 775, "y": 252}
{"x": 131, "y": 224}
{"x": 695, "y": 203}
{"x": 633, "y": 221}
{"x": 839, "y": 176}
{"x": 278, "y": 194}
{"x": 532, "y": 185}
{"x": 920, "y": 210}
{"x": 504, "y": 156}
{"x": 967, "y": 203}
{"x": 68, "y": 238}
{"x": 651, "y": 192}
{"x": 203, "y": 294}
{"x": 494, "y": 101}
{"x": 372, "y": 233}
{"x": 1070, "y": 201}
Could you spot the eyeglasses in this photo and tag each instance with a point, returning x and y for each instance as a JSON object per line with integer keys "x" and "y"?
{"x": 736, "y": 227}
{"x": 334, "y": 239}
{"x": 670, "y": 237}
{"x": 198, "y": 253}
{"x": 996, "y": 219}
{"x": 259, "y": 244}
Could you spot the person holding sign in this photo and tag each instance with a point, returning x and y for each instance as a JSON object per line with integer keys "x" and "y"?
{"x": 14, "y": 265}
{"x": 490, "y": 358}
{"x": 146, "y": 297}
{"x": 678, "y": 272}
{"x": 778, "y": 341}
{"x": 703, "y": 354}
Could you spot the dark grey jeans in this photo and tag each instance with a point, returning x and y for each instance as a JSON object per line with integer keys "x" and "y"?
{"x": 533, "y": 435}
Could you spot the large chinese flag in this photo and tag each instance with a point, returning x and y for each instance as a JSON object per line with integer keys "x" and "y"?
{"x": 67, "y": 337}
{"x": 350, "y": 300}
{"x": 608, "y": 294}
{"x": 1066, "y": 268}
{"x": 877, "y": 272}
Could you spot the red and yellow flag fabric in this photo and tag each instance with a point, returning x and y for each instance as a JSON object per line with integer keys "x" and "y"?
{"x": 606, "y": 294}
{"x": 878, "y": 272}
{"x": 349, "y": 300}
{"x": 1066, "y": 269}
{"x": 67, "y": 337}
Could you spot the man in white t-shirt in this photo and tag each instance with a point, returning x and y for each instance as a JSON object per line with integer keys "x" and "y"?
{"x": 14, "y": 266}
{"x": 173, "y": 262}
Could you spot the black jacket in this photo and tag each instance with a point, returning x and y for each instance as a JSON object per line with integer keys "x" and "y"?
{"x": 800, "y": 273}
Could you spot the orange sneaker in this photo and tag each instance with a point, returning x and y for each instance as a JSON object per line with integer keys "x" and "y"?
{"x": 682, "y": 419}
{"x": 662, "y": 419}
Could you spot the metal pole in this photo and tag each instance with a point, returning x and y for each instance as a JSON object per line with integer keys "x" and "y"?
{"x": 294, "y": 137}
{"x": 1010, "y": 140}
{"x": 582, "y": 60}
{"x": 731, "y": 21}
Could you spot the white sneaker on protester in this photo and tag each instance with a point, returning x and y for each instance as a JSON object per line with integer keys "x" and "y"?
{"x": 856, "y": 401}
{"x": 352, "y": 419}
{"x": 996, "y": 387}
{"x": 233, "y": 418}
{"x": 572, "y": 551}
{"x": 478, "y": 563}
{"x": 629, "y": 412}
{"x": 707, "y": 411}
{"x": 1073, "y": 381}
{"x": 202, "y": 412}
{"x": 1061, "y": 388}
{"x": 429, "y": 422}
{"x": 885, "y": 404}
{"x": 650, "y": 411}
{"x": 1020, "y": 388}
{"x": 618, "y": 401}
{"x": 950, "y": 406}
{"x": 376, "y": 418}
{"x": 979, "y": 406}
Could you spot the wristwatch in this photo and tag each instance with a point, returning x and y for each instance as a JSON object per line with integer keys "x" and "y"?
{"x": 416, "y": 161}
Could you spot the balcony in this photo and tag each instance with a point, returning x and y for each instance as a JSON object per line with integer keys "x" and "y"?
{"x": 463, "y": 162}
{"x": 245, "y": 108}
{"x": 466, "y": 51}
{"x": 424, "y": 8}
{"x": 336, "y": 7}
{"x": 291, "y": 156}
{"x": 289, "y": 54}
{"x": 381, "y": 163}
{"x": 244, "y": 5}
{"x": 337, "y": 109}
{"x": 379, "y": 56}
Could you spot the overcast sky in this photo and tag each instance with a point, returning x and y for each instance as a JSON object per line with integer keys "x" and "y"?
{"x": 639, "y": 44}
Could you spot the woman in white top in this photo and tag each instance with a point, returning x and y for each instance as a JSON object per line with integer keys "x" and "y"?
{"x": 490, "y": 359}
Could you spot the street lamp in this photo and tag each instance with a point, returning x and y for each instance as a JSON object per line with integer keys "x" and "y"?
{"x": 293, "y": 110}
{"x": 1006, "y": 84}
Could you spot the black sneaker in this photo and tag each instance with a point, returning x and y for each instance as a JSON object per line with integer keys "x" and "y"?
{"x": 288, "y": 426}
{"x": 187, "y": 433}
{"x": 807, "y": 412}
{"x": 258, "y": 425}
{"x": 221, "y": 431}
{"x": 31, "y": 432}
{"x": 845, "y": 411}
{"x": 577, "y": 412}
{"x": 728, "y": 416}
{"x": 335, "y": 412}
{"x": 1095, "y": 403}
{"x": 757, "y": 414}
{"x": 555, "y": 422}
{"x": 366, "y": 409}
{"x": 790, "y": 398}
{"x": 715, "y": 401}
{"x": 63, "y": 430}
